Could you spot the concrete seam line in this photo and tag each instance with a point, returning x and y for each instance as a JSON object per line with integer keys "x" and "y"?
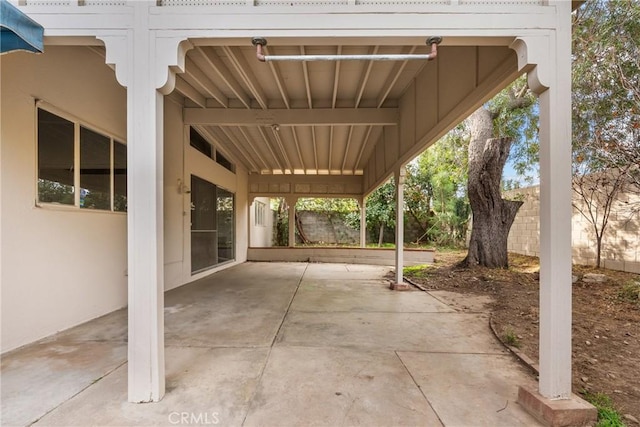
{"x": 266, "y": 361}
{"x": 419, "y": 388}
{"x": 77, "y": 393}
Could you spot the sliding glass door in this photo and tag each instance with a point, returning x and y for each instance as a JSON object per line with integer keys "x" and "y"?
{"x": 212, "y": 225}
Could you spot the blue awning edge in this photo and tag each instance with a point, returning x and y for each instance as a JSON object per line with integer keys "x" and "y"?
{"x": 18, "y": 31}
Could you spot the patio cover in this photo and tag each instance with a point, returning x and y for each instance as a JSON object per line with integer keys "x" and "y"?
{"x": 18, "y": 31}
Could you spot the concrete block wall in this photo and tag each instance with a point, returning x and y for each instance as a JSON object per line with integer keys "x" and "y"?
{"x": 325, "y": 228}
{"x": 328, "y": 228}
{"x": 621, "y": 242}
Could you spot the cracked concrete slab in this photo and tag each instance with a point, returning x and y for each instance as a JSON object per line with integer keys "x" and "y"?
{"x": 242, "y": 307}
{"x": 207, "y": 386}
{"x": 345, "y": 272}
{"x": 465, "y": 333}
{"x": 471, "y": 389}
{"x": 335, "y": 360}
{"x": 337, "y": 387}
{"x": 317, "y": 298}
{"x": 40, "y": 377}
{"x": 368, "y": 285}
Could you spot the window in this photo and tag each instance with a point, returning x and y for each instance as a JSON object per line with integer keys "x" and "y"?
{"x": 260, "y": 213}
{"x": 197, "y": 141}
{"x": 98, "y": 170}
{"x": 222, "y": 161}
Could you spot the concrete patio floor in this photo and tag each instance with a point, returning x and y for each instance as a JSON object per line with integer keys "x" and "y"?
{"x": 277, "y": 344}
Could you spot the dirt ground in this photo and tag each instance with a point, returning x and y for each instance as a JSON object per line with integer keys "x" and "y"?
{"x": 606, "y": 320}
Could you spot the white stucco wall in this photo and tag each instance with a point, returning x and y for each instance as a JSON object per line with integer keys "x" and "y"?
{"x": 182, "y": 161}
{"x": 63, "y": 266}
{"x": 60, "y": 267}
{"x": 176, "y": 219}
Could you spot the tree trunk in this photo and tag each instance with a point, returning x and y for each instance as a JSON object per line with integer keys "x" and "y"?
{"x": 381, "y": 235}
{"x": 303, "y": 237}
{"x": 281, "y": 227}
{"x": 492, "y": 215}
{"x": 598, "y": 249}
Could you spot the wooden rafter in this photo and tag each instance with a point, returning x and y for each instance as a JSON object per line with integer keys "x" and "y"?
{"x": 197, "y": 78}
{"x": 244, "y": 71}
{"x": 209, "y": 55}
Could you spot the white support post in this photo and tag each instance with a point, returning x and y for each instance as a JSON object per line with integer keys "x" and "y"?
{"x": 145, "y": 215}
{"x": 291, "y": 202}
{"x": 251, "y": 210}
{"x": 555, "y": 225}
{"x": 363, "y": 222}
{"x": 553, "y": 402}
{"x": 399, "y": 284}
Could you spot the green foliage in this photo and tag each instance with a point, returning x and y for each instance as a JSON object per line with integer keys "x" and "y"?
{"x": 55, "y": 192}
{"x": 515, "y": 114}
{"x": 281, "y": 226}
{"x": 384, "y": 245}
{"x": 510, "y": 184}
{"x": 630, "y": 292}
{"x": 510, "y": 338}
{"x": 342, "y": 206}
{"x": 606, "y": 85}
{"x": 607, "y": 414}
{"x": 443, "y": 170}
{"x": 606, "y": 109}
{"x": 381, "y": 206}
{"x": 419, "y": 271}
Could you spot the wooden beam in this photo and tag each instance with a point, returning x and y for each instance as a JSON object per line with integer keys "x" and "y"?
{"x": 244, "y": 70}
{"x": 249, "y": 142}
{"x": 365, "y": 78}
{"x": 279, "y": 81}
{"x": 307, "y": 84}
{"x": 336, "y": 79}
{"x": 395, "y": 73}
{"x": 209, "y": 55}
{"x": 200, "y": 78}
{"x": 296, "y": 117}
{"x": 190, "y": 92}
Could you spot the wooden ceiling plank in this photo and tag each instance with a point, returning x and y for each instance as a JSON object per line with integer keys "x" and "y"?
{"x": 336, "y": 79}
{"x": 346, "y": 150}
{"x": 190, "y": 92}
{"x": 215, "y": 134}
{"x": 364, "y": 145}
{"x": 394, "y": 75}
{"x": 209, "y": 54}
{"x": 297, "y": 144}
{"x": 315, "y": 147}
{"x": 268, "y": 144}
{"x": 249, "y": 142}
{"x": 307, "y": 83}
{"x": 226, "y": 146}
{"x": 194, "y": 72}
{"x": 244, "y": 70}
{"x": 330, "y": 147}
{"x": 275, "y": 70}
{"x": 276, "y": 135}
{"x": 365, "y": 78}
